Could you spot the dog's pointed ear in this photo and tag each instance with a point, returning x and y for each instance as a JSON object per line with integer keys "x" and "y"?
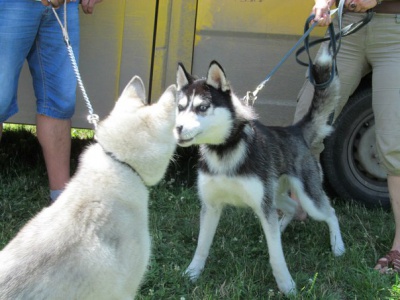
{"x": 183, "y": 78}
{"x": 168, "y": 101}
{"x": 216, "y": 77}
{"x": 169, "y": 95}
{"x": 135, "y": 89}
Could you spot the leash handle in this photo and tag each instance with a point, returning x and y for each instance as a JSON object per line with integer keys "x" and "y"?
{"x": 343, "y": 32}
{"x": 334, "y": 44}
{"x": 333, "y": 47}
{"x": 333, "y": 50}
{"x": 349, "y": 29}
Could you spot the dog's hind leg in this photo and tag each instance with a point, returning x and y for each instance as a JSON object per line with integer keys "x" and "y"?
{"x": 333, "y": 223}
{"x": 270, "y": 224}
{"x": 288, "y": 209}
{"x": 209, "y": 218}
{"x": 316, "y": 203}
{"x": 284, "y": 203}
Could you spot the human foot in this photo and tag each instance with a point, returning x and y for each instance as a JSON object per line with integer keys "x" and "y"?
{"x": 389, "y": 263}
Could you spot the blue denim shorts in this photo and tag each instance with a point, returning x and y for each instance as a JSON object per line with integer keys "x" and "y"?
{"x": 29, "y": 30}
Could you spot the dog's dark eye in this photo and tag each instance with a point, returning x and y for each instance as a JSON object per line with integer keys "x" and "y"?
{"x": 203, "y": 108}
{"x": 180, "y": 107}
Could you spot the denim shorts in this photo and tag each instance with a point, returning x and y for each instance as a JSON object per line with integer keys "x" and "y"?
{"x": 29, "y": 30}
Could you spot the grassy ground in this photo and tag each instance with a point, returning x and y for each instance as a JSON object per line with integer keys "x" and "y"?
{"x": 238, "y": 266}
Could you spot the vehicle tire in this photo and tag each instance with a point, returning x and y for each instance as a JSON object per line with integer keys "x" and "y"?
{"x": 350, "y": 161}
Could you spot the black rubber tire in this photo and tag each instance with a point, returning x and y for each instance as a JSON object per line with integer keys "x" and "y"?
{"x": 344, "y": 161}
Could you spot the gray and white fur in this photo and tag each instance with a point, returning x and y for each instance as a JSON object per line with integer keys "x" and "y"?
{"x": 245, "y": 163}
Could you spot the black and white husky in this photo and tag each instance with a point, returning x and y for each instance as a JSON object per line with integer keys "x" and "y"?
{"x": 245, "y": 163}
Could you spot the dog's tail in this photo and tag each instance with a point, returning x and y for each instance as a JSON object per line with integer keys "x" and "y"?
{"x": 315, "y": 124}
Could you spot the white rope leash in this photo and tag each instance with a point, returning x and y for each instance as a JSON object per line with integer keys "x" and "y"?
{"x": 92, "y": 118}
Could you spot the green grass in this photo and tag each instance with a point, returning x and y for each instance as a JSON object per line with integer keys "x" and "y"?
{"x": 238, "y": 266}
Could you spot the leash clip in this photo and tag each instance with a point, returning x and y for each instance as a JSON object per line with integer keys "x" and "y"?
{"x": 250, "y": 98}
{"x": 93, "y": 119}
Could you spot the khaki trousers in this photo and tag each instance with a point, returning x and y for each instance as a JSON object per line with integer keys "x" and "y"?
{"x": 376, "y": 47}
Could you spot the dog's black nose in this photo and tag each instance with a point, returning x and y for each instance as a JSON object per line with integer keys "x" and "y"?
{"x": 179, "y": 129}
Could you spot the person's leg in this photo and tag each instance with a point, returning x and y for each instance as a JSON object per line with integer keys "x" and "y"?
{"x": 394, "y": 191}
{"x": 392, "y": 259}
{"x": 385, "y": 56}
{"x": 55, "y": 87}
{"x": 54, "y": 136}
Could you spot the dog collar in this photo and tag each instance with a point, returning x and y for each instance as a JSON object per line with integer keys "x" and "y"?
{"x": 112, "y": 155}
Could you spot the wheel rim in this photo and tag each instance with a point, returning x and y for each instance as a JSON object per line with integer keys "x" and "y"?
{"x": 363, "y": 163}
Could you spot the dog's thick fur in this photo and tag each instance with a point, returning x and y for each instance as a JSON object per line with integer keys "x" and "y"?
{"x": 245, "y": 163}
{"x": 94, "y": 242}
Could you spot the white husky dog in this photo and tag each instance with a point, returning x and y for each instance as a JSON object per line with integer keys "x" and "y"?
{"x": 94, "y": 242}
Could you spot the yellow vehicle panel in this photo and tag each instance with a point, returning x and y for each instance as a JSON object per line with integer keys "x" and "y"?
{"x": 149, "y": 37}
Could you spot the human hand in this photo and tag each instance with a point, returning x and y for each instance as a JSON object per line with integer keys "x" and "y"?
{"x": 321, "y": 11}
{"x": 88, "y": 5}
{"x": 360, "y": 5}
{"x": 55, "y": 3}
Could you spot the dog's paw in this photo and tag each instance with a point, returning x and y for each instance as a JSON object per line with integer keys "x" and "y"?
{"x": 288, "y": 288}
{"x": 194, "y": 270}
{"x": 338, "y": 249}
{"x": 192, "y": 273}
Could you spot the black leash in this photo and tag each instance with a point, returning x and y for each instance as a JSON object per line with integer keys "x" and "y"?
{"x": 251, "y": 97}
{"x": 334, "y": 46}
{"x": 333, "y": 49}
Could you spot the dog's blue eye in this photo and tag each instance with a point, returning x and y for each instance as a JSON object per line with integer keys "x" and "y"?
{"x": 203, "y": 108}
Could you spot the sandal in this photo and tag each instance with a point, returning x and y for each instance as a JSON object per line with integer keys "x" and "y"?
{"x": 389, "y": 263}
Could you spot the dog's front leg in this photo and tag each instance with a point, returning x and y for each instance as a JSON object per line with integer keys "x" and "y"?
{"x": 209, "y": 218}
